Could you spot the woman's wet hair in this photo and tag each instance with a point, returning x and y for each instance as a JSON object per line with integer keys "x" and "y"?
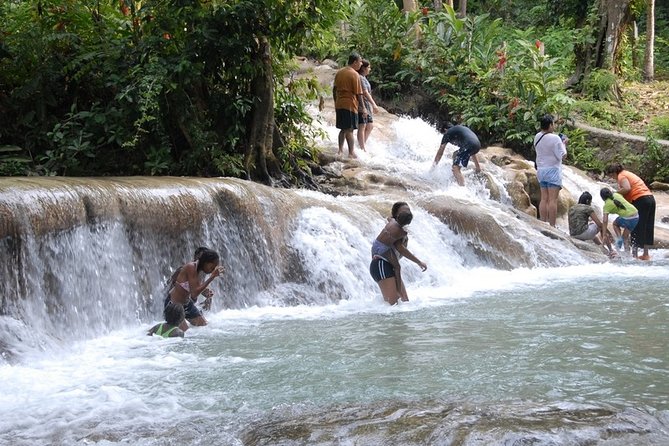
{"x": 614, "y": 168}
{"x": 585, "y": 198}
{"x": 207, "y": 256}
{"x": 607, "y": 193}
{"x": 174, "y": 314}
{"x": 396, "y": 207}
{"x": 545, "y": 121}
{"x": 198, "y": 252}
{"x": 404, "y": 218}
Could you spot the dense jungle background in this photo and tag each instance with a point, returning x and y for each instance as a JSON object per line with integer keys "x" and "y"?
{"x": 207, "y": 87}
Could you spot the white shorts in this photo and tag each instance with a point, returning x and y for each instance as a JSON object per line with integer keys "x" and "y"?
{"x": 589, "y": 233}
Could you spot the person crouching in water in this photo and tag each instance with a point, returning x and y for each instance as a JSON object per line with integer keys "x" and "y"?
{"x": 188, "y": 285}
{"x": 628, "y": 217}
{"x": 468, "y": 147}
{"x": 386, "y": 251}
{"x": 174, "y": 316}
{"x": 584, "y": 224}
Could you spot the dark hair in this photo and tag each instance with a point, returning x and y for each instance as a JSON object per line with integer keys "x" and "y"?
{"x": 545, "y": 121}
{"x": 404, "y": 218}
{"x": 396, "y": 207}
{"x": 445, "y": 126}
{"x": 614, "y": 168}
{"x": 607, "y": 193}
{"x": 207, "y": 256}
{"x": 198, "y": 252}
{"x": 365, "y": 64}
{"x": 174, "y": 314}
{"x": 353, "y": 57}
{"x": 585, "y": 198}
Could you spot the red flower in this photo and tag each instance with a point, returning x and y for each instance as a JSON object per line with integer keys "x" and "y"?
{"x": 124, "y": 8}
{"x": 538, "y": 43}
{"x": 167, "y": 36}
{"x": 424, "y": 10}
{"x": 502, "y": 60}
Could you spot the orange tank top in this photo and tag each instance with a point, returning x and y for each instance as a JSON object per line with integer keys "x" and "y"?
{"x": 637, "y": 187}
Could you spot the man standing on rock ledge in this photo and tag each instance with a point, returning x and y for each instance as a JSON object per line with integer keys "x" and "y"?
{"x": 347, "y": 93}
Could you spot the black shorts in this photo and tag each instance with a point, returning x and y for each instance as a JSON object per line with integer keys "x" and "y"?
{"x": 365, "y": 119}
{"x": 346, "y": 119}
{"x": 461, "y": 157}
{"x": 191, "y": 310}
{"x": 381, "y": 269}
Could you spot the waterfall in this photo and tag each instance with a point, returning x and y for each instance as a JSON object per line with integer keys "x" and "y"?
{"x": 81, "y": 255}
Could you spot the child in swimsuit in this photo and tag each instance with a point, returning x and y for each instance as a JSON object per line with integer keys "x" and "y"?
{"x": 387, "y": 249}
{"x": 174, "y": 315}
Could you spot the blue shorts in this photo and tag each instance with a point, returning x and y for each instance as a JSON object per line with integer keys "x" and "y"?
{"x": 191, "y": 310}
{"x": 547, "y": 185}
{"x": 381, "y": 269}
{"x": 550, "y": 177}
{"x": 461, "y": 157}
{"x": 627, "y": 223}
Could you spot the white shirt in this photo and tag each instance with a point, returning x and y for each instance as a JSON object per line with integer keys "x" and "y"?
{"x": 550, "y": 150}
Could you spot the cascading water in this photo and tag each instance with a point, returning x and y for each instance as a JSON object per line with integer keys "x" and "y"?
{"x": 510, "y": 337}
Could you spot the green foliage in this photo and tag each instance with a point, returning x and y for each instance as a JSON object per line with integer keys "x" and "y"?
{"x": 659, "y": 127}
{"x": 655, "y": 161}
{"x": 382, "y": 34}
{"x": 601, "y": 85}
{"x": 129, "y": 87}
{"x": 11, "y": 161}
{"x": 606, "y": 115}
{"x": 581, "y": 154}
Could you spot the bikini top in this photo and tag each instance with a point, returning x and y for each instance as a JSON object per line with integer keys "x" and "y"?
{"x": 167, "y": 333}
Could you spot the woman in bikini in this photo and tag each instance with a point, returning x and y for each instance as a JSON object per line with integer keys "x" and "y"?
{"x": 387, "y": 249}
{"x": 188, "y": 286}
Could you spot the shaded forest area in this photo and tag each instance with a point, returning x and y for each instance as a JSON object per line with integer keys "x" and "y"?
{"x": 194, "y": 87}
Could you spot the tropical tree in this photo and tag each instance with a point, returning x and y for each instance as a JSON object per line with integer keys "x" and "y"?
{"x": 185, "y": 87}
{"x": 649, "y": 59}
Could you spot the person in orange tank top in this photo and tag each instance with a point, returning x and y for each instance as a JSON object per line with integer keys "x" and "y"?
{"x": 634, "y": 190}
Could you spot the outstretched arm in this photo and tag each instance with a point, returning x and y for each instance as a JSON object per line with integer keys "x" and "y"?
{"x": 440, "y": 153}
{"x": 406, "y": 253}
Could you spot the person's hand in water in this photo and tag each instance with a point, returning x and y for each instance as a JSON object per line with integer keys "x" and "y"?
{"x": 423, "y": 266}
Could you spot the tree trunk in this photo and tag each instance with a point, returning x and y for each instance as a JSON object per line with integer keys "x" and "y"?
{"x": 409, "y": 5}
{"x": 616, "y": 15}
{"x": 462, "y": 9}
{"x": 605, "y": 52}
{"x": 649, "y": 58}
{"x": 259, "y": 160}
{"x": 633, "y": 43}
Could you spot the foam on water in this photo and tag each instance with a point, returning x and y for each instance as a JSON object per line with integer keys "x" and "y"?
{"x": 132, "y": 387}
